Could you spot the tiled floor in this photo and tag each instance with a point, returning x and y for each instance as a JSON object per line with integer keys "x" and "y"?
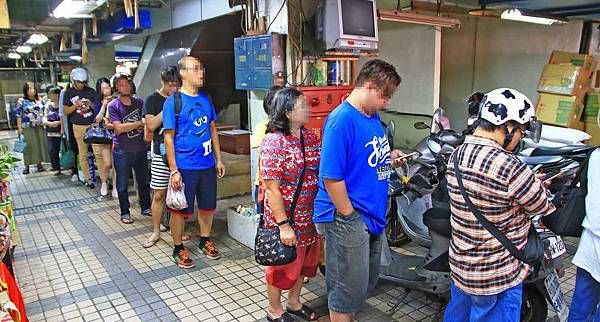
{"x": 76, "y": 261}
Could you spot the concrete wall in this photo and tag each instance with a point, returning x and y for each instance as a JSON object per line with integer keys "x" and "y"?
{"x": 411, "y": 49}
{"x": 487, "y": 53}
{"x": 101, "y": 63}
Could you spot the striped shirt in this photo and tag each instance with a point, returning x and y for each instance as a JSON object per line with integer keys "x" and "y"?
{"x": 505, "y": 191}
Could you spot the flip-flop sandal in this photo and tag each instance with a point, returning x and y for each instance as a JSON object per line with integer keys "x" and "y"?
{"x": 127, "y": 220}
{"x": 285, "y": 317}
{"x": 186, "y": 238}
{"x": 149, "y": 242}
{"x": 305, "y": 313}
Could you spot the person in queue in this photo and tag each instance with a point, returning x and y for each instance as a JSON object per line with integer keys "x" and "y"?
{"x": 79, "y": 107}
{"x": 487, "y": 281}
{"x": 288, "y": 152}
{"x": 103, "y": 152}
{"x": 130, "y": 150}
{"x": 194, "y": 156}
{"x": 350, "y": 207}
{"x": 153, "y": 114}
{"x": 30, "y": 113}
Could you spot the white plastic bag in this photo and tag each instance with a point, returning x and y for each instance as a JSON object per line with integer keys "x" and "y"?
{"x": 563, "y": 135}
{"x": 176, "y": 198}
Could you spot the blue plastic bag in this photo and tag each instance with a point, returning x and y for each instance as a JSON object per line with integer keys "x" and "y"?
{"x": 20, "y": 145}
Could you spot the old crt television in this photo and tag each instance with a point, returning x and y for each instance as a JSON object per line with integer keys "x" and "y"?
{"x": 347, "y": 24}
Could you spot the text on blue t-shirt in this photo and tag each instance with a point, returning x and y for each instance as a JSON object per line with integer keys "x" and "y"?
{"x": 355, "y": 149}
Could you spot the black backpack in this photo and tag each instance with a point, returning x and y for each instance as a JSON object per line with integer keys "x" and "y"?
{"x": 177, "y": 106}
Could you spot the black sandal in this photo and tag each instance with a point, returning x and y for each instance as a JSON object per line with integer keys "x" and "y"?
{"x": 127, "y": 220}
{"x": 285, "y": 317}
{"x": 305, "y": 313}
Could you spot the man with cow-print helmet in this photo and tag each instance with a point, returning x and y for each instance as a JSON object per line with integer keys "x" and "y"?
{"x": 487, "y": 281}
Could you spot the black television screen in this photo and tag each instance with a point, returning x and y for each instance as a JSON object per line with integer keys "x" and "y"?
{"x": 358, "y": 18}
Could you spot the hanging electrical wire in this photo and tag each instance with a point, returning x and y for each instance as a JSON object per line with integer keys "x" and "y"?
{"x": 276, "y": 15}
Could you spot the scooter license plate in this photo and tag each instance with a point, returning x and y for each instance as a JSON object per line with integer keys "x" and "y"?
{"x": 557, "y": 247}
{"x": 556, "y": 296}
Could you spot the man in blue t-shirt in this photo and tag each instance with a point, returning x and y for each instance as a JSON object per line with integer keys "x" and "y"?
{"x": 194, "y": 157}
{"x": 356, "y": 161}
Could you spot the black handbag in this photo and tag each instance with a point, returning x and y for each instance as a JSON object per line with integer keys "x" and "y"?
{"x": 534, "y": 251}
{"x": 97, "y": 134}
{"x": 568, "y": 218}
{"x": 268, "y": 248}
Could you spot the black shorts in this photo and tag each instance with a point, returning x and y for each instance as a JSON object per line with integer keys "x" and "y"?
{"x": 200, "y": 186}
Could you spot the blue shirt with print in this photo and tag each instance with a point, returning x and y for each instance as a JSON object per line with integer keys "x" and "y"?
{"x": 356, "y": 150}
{"x": 193, "y": 144}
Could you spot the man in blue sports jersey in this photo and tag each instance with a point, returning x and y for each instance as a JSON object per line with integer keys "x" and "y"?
{"x": 356, "y": 162}
{"x": 194, "y": 157}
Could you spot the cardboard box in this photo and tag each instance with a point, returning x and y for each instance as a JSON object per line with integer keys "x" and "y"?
{"x": 560, "y": 110}
{"x": 593, "y": 130}
{"x": 564, "y": 79}
{"x": 235, "y": 141}
{"x": 592, "y": 107}
{"x": 586, "y": 61}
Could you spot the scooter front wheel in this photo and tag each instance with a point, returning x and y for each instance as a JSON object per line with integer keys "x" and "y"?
{"x": 394, "y": 233}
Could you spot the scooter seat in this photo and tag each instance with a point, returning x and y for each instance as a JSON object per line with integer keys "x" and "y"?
{"x": 438, "y": 221}
{"x": 567, "y": 150}
{"x": 544, "y": 160}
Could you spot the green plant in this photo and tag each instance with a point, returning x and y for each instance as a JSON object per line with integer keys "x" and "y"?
{"x": 7, "y": 161}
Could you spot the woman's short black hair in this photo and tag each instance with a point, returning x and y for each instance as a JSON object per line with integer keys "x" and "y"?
{"x": 489, "y": 126}
{"x": 283, "y": 102}
{"x": 99, "y": 83}
{"x": 170, "y": 74}
{"x": 26, "y": 89}
{"x": 268, "y": 101}
{"x": 52, "y": 89}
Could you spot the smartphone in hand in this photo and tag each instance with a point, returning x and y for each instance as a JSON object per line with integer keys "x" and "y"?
{"x": 551, "y": 176}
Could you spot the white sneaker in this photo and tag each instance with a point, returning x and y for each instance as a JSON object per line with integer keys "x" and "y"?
{"x": 115, "y": 195}
{"x": 163, "y": 228}
{"x": 74, "y": 178}
{"x": 104, "y": 189}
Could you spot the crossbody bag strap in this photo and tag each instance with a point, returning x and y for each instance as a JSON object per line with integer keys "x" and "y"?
{"x": 491, "y": 228}
{"x": 300, "y": 182}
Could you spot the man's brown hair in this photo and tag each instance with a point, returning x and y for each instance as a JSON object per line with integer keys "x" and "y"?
{"x": 381, "y": 73}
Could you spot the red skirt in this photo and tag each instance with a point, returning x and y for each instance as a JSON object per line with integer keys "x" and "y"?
{"x": 306, "y": 265}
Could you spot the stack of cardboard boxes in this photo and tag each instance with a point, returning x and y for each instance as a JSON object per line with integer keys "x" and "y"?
{"x": 590, "y": 117}
{"x": 563, "y": 86}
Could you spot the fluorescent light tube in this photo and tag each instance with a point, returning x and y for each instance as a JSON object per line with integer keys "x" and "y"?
{"x": 518, "y": 15}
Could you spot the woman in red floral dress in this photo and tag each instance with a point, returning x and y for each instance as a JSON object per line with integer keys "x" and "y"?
{"x": 282, "y": 167}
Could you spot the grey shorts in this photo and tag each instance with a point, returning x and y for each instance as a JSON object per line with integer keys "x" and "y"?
{"x": 352, "y": 259}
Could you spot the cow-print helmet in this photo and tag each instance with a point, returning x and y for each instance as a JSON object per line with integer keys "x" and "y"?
{"x": 506, "y": 104}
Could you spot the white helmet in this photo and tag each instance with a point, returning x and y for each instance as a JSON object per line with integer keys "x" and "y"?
{"x": 79, "y": 74}
{"x": 506, "y": 104}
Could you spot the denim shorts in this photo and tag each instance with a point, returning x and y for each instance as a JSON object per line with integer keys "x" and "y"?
{"x": 352, "y": 260}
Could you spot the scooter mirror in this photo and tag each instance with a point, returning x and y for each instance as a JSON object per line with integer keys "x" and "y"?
{"x": 392, "y": 127}
{"x": 421, "y": 126}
